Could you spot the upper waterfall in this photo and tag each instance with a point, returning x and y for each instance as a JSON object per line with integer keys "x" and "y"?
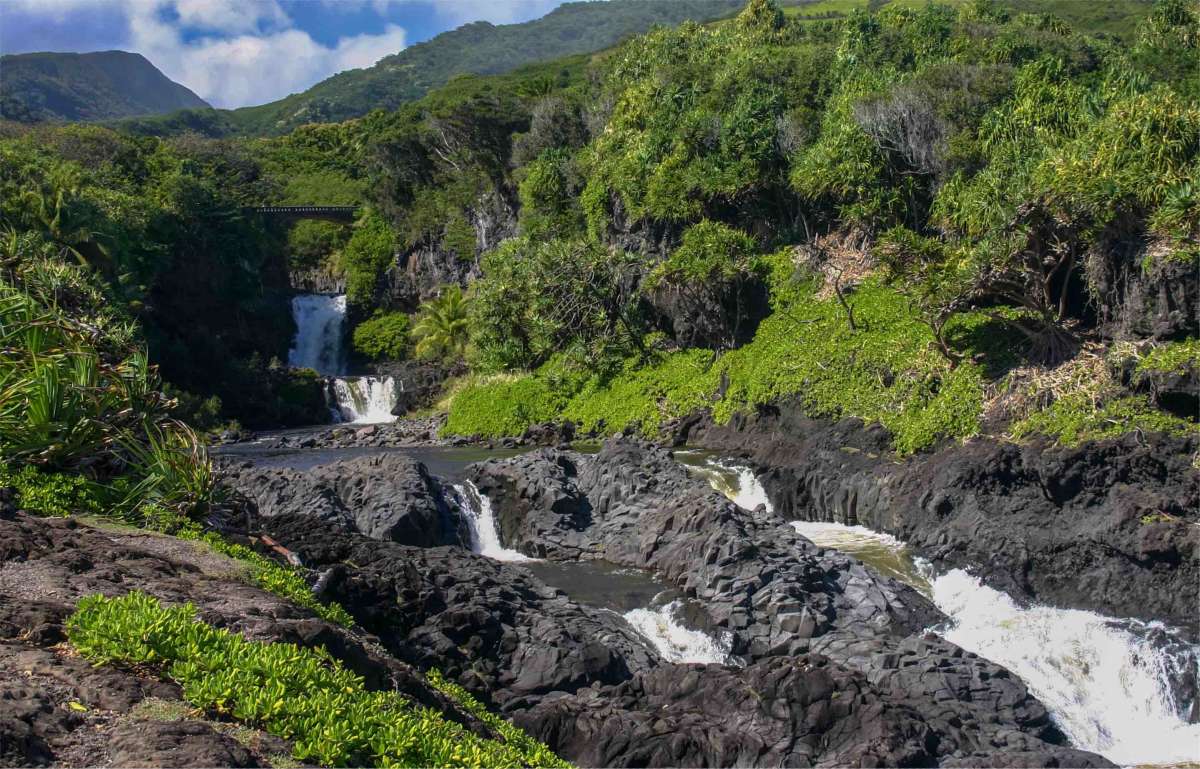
{"x": 319, "y": 322}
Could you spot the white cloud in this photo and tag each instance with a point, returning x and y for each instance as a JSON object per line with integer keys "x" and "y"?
{"x": 231, "y": 16}
{"x": 253, "y": 69}
{"x": 235, "y": 52}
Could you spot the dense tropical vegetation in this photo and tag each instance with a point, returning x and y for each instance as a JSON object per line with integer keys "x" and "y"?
{"x": 926, "y": 215}
{"x": 943, "y": 203}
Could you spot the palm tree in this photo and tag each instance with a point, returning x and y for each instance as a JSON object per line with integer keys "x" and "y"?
{"x": 441, "y": 329}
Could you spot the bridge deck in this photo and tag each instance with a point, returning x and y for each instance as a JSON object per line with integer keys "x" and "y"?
{"x": 331, "y": 213}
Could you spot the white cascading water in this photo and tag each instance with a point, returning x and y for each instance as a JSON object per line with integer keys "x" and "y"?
{"x": 364, "y": 399}
{"x": 482, "y": 523}
{"x": 675, "y": 642}
{"x": 320, "y": 321}
{"x": 318, "y": 344}
{"x": 1105, "y": 682}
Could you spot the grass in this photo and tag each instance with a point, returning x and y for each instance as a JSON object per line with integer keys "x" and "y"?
{"x": 299, "y": 694}
{"x": 273, "y": 577}
{"x": 886, "y": 370}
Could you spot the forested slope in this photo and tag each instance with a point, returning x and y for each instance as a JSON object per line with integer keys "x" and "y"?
{"x": 948, "y": 219}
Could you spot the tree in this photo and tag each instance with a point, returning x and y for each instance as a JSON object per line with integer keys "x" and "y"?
{"x": 441, "y": 328}
{"x": 710, "y": 272}
{"x": 539, "y": 297}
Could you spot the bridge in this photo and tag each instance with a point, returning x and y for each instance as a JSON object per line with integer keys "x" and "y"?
{"x": 341, "y": 214}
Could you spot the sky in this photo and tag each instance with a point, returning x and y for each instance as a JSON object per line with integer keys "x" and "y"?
{"x": 234, "y": 53}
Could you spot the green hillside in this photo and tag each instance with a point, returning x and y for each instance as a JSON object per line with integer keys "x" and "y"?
{"x": 478, "y": 48}
{"x": 87, "y": 86}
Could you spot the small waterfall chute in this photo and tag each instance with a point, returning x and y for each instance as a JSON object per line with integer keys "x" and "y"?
{"x": 364, "y": 399}
{"x": 675, "y": 642}
{"x": 485, "y": 540}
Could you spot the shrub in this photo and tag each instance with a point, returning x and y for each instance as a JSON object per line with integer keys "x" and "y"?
{"x": 53, "y": 494}
{"x": 366, "y": 256}
{"x": 1075, "y": 418}
{"x": 383, "y": 336}
{"x": 293, "y": 692}
{"x": 501, "y": 405}
{"x": 441, "y": 330}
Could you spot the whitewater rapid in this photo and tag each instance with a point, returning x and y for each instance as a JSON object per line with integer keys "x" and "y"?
{"x": 675, "y": 642}
{"x": 660, "y": 625}
{"x": 1105, "y": 681}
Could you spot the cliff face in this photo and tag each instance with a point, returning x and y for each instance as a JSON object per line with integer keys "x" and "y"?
{"x": 420, "y": 271}
{"x": 105, "y": 85}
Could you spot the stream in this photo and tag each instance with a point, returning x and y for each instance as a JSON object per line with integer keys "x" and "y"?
{"x": 1106, "y": 682}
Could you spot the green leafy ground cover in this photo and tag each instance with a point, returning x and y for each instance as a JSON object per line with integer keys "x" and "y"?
{"x": 293, "y": 692}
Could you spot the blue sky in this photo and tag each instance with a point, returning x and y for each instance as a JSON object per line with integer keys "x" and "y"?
{"x": 239, "y": 52}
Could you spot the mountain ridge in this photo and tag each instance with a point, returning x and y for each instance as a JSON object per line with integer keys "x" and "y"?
{"x": 100, "y": 85}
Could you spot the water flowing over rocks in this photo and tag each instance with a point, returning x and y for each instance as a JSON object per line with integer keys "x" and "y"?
{"x": 632, "y": 504}
{"x": 384, "y": 496}
{"x": 783, "y": 599}
{"x": 492, "y": 626}
{"x": 1109, "y": 526}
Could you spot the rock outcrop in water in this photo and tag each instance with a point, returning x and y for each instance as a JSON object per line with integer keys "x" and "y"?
{"x": 1108, "y": 526}
{"x": 791, "y": 607}
{"x": 384, "y": 496}
{"x": 492, "y": 626}
{"x": 632, "y": 504}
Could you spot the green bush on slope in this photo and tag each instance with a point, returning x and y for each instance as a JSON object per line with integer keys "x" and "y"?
{"x": 886, "y": 371}
{"x": 296, "y": 693}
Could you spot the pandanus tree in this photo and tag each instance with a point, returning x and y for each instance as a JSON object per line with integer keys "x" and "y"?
{"x": 441, "y": 330}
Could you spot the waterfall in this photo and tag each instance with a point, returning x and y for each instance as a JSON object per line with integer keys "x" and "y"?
{"x": 364, "y": 399}
{"x": 484, "y": 538}
{"x": 318, "y": 343}
{"x": 320, "y": 319}
{"x": 675, "y": 642}
{"x": 1106, "y": 682}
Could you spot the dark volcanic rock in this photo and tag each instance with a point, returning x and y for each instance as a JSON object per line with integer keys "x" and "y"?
{"x": 384, "y": 496}
{"x": 399, "y": 434}
{"x": 887, "y": 694}
{"x": 632, "y": 504}
{"x": 783, "y": 711}
{"x": 46, "y": 565}
{"x": 175, "y": 744}
{"x": 490, "y": 625}
{"x": 1108, "y": 526}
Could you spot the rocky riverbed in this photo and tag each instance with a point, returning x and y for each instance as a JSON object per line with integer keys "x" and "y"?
{"x": 826, "y": 661}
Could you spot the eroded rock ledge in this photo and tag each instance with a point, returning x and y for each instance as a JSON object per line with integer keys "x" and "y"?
{"x": 1109, "y": 526}
{"x": 815, "y": 625}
